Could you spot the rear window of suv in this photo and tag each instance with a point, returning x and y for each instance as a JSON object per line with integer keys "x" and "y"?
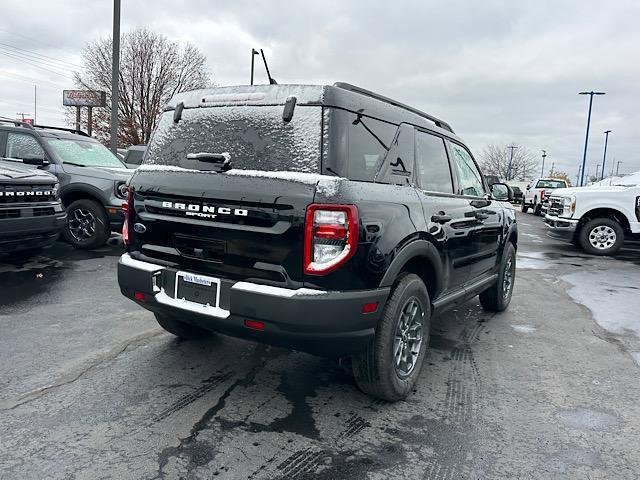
{"x": 254, "y": 135}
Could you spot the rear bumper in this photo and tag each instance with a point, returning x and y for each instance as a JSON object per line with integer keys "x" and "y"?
{"x": 320, "y": 322}
{"x": 562, "y": 228}
{"x": 28, "y": 232}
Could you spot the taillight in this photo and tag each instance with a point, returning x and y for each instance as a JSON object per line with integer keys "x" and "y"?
{"x": 541, "y": 195}
{"x": 330, "y": 238}
{"x": 127, "y": 208}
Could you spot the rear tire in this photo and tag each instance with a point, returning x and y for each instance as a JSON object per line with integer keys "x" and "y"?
{"x": 87, "y": 224}
{"x": 525, "y": 207}
{"x": 391, "y": 364}
{"x": 601, "y": 236}
{"x": 536, "y": 207}
{"x": 181, "y": 329}
{"x": 498, "y": 297}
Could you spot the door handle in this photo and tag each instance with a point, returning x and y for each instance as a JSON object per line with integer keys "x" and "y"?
{"x": 441, "y": 218}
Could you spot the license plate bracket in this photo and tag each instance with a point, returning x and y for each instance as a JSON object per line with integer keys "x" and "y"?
{"x": 199, "y": 289}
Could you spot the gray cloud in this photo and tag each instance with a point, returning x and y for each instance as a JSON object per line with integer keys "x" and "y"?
{"x": 498, "y": 71}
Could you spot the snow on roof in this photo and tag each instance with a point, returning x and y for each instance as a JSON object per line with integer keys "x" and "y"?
{"x": 632, "y": 179}
{"x": 248, "y": 95}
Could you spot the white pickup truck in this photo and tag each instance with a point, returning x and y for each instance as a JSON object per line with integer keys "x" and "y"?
{"x": 598, "y": 219}
{"x": 536, "y": 192}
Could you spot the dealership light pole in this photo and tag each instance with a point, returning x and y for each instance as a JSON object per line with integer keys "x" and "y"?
{"x": 604, "y": 156}
{"x": 115, "y": 73}
{"x": 586, "y": 138}
{"x": 618, "y": 167}
{"x": 512, "y": 147}
{"x": 544, "y": 155}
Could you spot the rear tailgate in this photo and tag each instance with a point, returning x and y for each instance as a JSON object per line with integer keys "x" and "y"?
{"x": 238, "y": 225}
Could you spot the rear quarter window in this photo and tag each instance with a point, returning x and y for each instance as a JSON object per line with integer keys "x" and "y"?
{"x": 357, "y": 145}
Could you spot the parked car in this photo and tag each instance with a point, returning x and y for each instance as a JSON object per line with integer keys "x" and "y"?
{"x": 536, "y": 192}
{"x": 31, "y": 215}
{"x": 328, "y": 219}
{"x": 133, "y": 157}
{"x": 92, "y": 179}
{"x": 517, "y": 194}
{"x": 598, "y": 219}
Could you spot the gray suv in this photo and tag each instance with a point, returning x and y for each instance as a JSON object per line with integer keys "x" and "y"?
{"x": 92, "y": 179}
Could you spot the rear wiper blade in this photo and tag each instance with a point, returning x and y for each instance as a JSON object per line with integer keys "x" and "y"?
{"x": 222, "y": 160}
{"x": 75, "y": 164}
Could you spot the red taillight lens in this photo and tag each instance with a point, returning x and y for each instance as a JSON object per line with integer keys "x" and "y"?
{"x": 331, "y": 237}
{"x": 370, "y": 307}
{"x": 139, "y": 296}
{"x": 541, "y": 195}
{"x": 254, "y": 324}
{"x": 127, "y": 208}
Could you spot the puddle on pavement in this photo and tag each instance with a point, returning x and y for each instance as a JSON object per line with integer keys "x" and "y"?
{"x": 612, "y": 298}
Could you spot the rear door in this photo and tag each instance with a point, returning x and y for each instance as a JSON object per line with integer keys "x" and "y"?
{"x": 449, "y": 216}
{"x": 487, "y": 213}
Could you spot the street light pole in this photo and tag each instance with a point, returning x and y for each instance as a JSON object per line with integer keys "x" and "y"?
{"x": 115, "y": 75}
{"x": 597, "y": 170}
{"x": 544, "y": 155}
{"x": 586, "y": 138}
{"x": 512, "y": 147}
{"x": 604, "y": 156}
{"x": 618, "y": 167}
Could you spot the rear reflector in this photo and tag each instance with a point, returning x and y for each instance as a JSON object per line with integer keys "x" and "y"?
{"x": 370, "y": 307}
{"x": 139, "y": 296}
{"x": 254, "y": 324}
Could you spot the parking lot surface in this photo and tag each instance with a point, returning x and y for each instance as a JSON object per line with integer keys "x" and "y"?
{"x": 92, "y": 388}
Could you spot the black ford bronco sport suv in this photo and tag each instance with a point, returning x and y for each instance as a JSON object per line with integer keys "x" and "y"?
{"x": 327, "y": 219}
{"x": 31, "y": 215}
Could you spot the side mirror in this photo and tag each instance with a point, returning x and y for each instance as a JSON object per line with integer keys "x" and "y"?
{"x": 501, "y": 192}
{"x": 35, "y": 160}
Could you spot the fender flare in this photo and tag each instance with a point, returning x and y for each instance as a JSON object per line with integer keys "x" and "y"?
{"x": 416, "y": 248}
{"x": 87, "y": 189}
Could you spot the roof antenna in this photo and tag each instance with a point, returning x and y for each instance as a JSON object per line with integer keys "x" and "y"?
{"x": 272, "y": 81}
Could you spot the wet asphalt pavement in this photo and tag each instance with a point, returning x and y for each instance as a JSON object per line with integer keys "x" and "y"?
{"x": 92, "y": 388}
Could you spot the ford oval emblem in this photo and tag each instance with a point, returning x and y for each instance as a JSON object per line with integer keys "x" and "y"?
{"x": 139, "y": 228}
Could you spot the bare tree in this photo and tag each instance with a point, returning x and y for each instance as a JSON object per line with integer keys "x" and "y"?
{"x": 498, "y": 160}
{"x": 561, "y": 176}
{"x": 152, "y": 70}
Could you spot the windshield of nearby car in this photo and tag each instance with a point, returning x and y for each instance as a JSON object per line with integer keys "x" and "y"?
{"x": 551, "y": 184}
{"x": 85, "y": 153}
{"x": 134, "y": 156}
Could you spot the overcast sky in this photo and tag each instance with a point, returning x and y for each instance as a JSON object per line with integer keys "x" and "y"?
{"x": 497, "y": 71}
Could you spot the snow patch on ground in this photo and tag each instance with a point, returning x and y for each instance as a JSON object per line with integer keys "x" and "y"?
{"x": 524, "y": 328}
{"x": 612, "y": 296}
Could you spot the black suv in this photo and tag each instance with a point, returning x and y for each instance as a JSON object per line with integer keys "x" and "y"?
{"x": 31, "y": 215}
{"x": 92, "y": 179}
{"x": 327, "y": 219}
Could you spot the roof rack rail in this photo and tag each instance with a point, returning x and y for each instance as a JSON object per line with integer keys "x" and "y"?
{"x": 352, "y": 88}
{"x": 71, "y": 130}
{"x": 16, "y": 123}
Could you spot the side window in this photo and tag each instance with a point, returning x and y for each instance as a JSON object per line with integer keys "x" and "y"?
{"x": 432, "y": 164}
{"x": 368, "y": 142}
{"x": 21, "y": 146}
{"x": 468, "y": 174}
